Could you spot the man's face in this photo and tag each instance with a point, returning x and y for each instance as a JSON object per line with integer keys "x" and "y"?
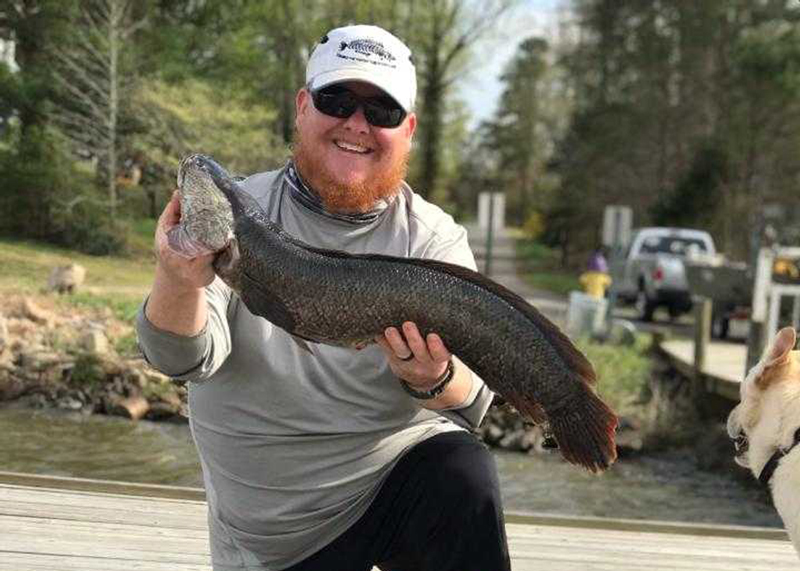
{"x": 350, "y": 163}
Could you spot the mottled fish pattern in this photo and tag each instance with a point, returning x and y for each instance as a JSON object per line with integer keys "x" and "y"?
{"x": 333, "y": 297}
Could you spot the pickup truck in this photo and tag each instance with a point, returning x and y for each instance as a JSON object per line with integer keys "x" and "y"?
{"x": 650, "y": 271}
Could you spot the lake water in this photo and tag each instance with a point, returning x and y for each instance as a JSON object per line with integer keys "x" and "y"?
{"x": 663, "y": 486}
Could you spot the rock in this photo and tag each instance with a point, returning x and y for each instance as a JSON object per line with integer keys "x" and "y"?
{"x": 38, "y": 400}
{"x": 3, "y": 333}
{"x": 95, "y": 342}
{"x": 170, "y": 397}
{"x": 6, "y": 358}
{"x": 133, "y": 407}
{"x": 493, "y": 434}
{"x": 154, "y": 376}
{"x": 20, "y": 327}
{"x": 66, "y": 279}
{"x": 36, "y": 313}
{"x": 513, "y": 441}
{"x": 69, "y": 403}
{"x": 137, "y": 378}
{"x": 37, "y": 360}
{"x": 533, "y": 439}
{"x": 629, "y": 441}
{"x": 162, "y": 411}
{"x": 10, "y": 387}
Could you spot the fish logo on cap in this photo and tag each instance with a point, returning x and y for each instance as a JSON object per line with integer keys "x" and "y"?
{"x": 367, "y": 48}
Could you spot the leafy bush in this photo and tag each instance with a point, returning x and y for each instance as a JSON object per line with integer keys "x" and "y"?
{"x": 623, "y": 373}
{"x": 50, "y": 196}
{"x": 88, "y": 371}
{"x": 88, "y": 229}
{"x": 534, "y": 225}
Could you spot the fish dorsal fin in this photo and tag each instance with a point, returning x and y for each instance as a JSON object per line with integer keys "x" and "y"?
{"x": 562, "y": 344}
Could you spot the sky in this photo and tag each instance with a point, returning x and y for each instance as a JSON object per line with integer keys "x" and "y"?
{"x": 481, "y": 89}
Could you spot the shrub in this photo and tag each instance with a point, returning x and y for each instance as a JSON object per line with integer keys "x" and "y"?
{"x": 534, "y": 225}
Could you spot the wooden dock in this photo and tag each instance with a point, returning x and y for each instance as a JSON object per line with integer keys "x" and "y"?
{"x": 67, "y": 524}
{"x": 724, "y": 367}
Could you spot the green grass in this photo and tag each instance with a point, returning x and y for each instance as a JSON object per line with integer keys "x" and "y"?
{"x": 623, "y": 373}
{"x": 540, "y": 267}
{"x": 140, "y": 239}
{"x": 127, "y": 344}
{"x": 124, "y": 308}
{"x": 118, "y": 283}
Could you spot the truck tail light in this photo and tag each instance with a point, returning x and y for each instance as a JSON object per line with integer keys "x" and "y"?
{"x": 658, "y": 273}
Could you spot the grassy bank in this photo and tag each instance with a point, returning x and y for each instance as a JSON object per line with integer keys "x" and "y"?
{"x": 540, "y": 267}
{"x": 623, "y": 373}
{"x": 118, "y": 283}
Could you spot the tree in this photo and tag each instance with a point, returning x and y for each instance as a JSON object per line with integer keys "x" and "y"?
{"x": 95, "y": 83}
{"x": 176, "y": 119}
{"x": 31, "y": 160}
{"x": 658, "y": 84}
{"x": 441, "y": 33}
{"x": 519, "y": 132}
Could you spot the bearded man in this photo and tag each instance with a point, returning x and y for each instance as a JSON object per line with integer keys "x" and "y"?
{"x": 336, "y": 459}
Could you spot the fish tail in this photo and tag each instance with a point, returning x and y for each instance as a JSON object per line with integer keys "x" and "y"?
{"x": 585, "y": 429}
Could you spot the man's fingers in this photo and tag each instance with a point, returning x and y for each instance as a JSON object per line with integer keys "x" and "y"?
{"x": 396, "y": 343}
{"x": 437, "y": 348}
{"x": 172, "y": 212}
{"x": 415, "y": 341}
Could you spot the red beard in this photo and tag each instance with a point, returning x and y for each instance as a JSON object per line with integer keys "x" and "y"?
{"x": 345, "y": 198}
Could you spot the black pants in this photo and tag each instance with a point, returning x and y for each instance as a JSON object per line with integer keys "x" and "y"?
{"x": 439, "y": 510}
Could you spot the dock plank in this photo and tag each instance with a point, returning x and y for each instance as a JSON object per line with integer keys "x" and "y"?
{"x": 54, "y": 529}
{"x": 725, "y": 364}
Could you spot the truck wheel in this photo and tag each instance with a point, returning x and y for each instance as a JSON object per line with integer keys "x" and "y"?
{"x": 644, "y": 305}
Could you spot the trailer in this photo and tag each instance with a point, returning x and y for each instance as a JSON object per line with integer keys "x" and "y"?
{"x": 729, "y": 286}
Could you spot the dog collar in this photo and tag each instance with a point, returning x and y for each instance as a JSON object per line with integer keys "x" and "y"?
{"x": 772, "y": 463}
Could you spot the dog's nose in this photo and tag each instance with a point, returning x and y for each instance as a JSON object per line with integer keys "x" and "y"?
{"x": 733, "y": 426}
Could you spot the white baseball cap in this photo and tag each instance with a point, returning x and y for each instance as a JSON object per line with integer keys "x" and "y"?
{"x": 364, "y": 53}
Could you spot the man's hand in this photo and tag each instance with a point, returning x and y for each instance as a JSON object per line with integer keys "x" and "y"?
{"x": 418, "y": 361}
{"x": 171, "y": 268}
{"x": 421, "y": 362}
{"x": 177, "y": 299}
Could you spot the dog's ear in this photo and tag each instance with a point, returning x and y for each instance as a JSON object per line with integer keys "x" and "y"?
{"x": 782, "y": 344}
{"x": 777, "y": 355}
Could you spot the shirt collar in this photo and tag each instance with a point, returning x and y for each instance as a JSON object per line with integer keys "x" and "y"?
{"x": 305, "y": 195}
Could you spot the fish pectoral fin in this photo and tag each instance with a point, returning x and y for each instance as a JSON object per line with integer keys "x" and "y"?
{"x": 262, "y": 302}
{"x": 228, "y": 259}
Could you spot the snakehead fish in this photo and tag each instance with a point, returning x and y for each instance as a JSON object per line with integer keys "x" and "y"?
{"x": 333, "y": 297}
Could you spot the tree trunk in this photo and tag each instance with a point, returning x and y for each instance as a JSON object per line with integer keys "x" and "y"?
{"x": 115, "y": 21}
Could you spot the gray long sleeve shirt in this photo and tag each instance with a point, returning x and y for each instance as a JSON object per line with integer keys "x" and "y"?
{"x": 294, "y": 446}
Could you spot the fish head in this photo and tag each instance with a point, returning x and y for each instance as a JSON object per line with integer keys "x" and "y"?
{"x": 206, "y": 224}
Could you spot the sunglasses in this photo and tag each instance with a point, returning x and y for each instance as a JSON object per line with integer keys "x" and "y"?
{"x": 338, "y": 101}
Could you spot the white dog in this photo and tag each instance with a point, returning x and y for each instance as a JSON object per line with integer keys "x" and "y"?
{"x": 766, "y": 427}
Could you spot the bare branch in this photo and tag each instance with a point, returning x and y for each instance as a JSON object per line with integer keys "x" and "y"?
{"x": 81, "y": 74}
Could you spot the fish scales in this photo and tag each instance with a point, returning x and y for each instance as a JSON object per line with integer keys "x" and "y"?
{"x": 342, "y": 299}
